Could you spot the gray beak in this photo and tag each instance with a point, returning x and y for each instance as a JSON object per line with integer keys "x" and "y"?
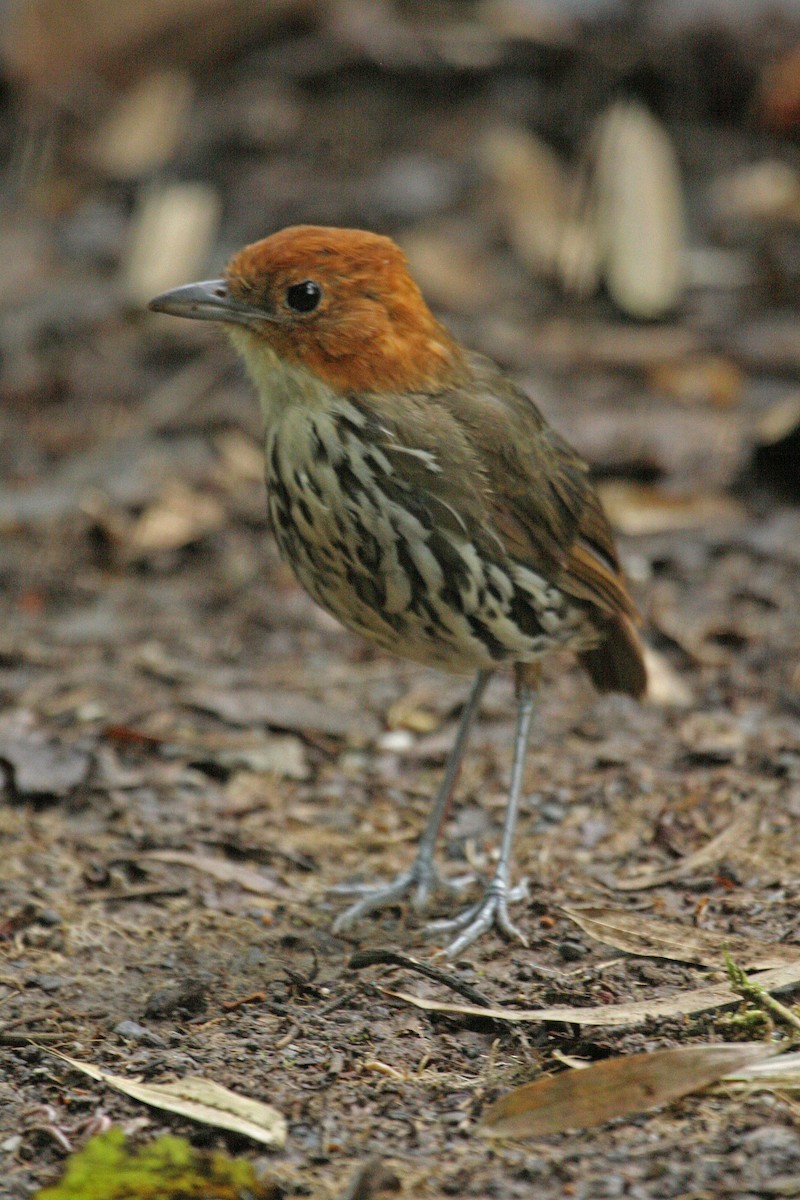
{"x": 207, "y": 301}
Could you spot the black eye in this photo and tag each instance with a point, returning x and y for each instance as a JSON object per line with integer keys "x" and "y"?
{"x": 305, "y": 296}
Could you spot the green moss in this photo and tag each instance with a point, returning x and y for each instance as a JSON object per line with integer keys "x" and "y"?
{"x": 168, "y": 1169}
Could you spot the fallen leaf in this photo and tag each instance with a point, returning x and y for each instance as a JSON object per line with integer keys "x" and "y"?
{"x": 171, "y": 235}
{"x": 706, "y": 379}
{"x": 284, "y": 709}
{"x": 665, "y": 687}
{"x": 638, "y": 1012}
{"x": 617, "y": 1087}
{"x": 737, "y": 834}
{"x": 36, "y": 765}
{"x": 637, "y": 509}
{"x": 532, "y": 191}
{"x": 669, "y": 939}
{"x": 779, "y": 421}
{"x": 222, "y": 869}
{"x": 758, "y": 192}
{"x": 144, "y": 127}
{"x": 450, "y": 272}
{"x": 282, "y": 755}
{"x": 715, "y": 736}
{"x": 779, "y": 1074}
{"x": 179, "y": 517}
{"x": 640, "y": 211}
{"x": 199, "y": 1100}
{"x": 410, "y": 712}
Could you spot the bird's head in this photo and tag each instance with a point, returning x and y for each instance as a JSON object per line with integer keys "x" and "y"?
{"x": 339, "y": 303}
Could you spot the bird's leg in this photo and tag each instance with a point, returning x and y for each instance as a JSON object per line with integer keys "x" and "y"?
{"x": 421, "y": 878}
{"x": 492, "y": 908}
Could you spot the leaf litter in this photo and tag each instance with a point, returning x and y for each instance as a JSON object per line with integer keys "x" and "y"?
{"x": 616, "y": 1087}
{"x": 200, "y": 1100}
{"x": 637, "y": 1012}
{"x": 669, "y": 939}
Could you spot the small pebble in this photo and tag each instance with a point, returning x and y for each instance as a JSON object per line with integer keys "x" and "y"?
{"x": 132, "y": 1031}
{"x": 48, "y": 983}
{"x": 570, "y": 951}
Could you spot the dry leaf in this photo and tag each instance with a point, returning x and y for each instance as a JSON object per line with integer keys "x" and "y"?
{"x": 736, "y": 835}
{"x": 35, "y": 765}
{"x": 540, "y": 206}
{"x": 716, "y": 736}
{"x": 706, "y": 379}
{"x": 179, "y": 517}
{"x": 779, "y": 421}
{"x": 669, "y": 939}
{"x": 665, "y": 687}
{"x": 640, "y": 218}
{"x": 451, "y": 273}
{"x": 144, "y": 127}
{"x": 199, "y": 1100}
{"x": 637, "y": 509}
{"x": 778, "y": 1074}
{"x": 172, "y": 233}
{"x": 222, "y": 869}
{"x": 410, "y": 712}
{"x": 284, "y": 709}
{"x": 638, "y": 1012}
{"x": 759, "y": 192}
{"x": 618, "y": 1087}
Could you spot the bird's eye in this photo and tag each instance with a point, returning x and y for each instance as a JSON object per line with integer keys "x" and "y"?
{"x": 304, "y": 297}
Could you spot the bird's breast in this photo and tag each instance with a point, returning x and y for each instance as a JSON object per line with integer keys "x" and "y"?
{"x": 366, "y": 545}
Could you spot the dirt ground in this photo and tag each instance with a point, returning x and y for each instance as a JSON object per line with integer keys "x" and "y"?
{"x": 192, "y": 754}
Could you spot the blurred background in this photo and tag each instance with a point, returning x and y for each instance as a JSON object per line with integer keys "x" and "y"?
{"x": 605, "y": 195}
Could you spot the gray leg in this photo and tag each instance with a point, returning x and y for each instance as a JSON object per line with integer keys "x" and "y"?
{"x": 492, "y": 908}
{"x": 421, "y": 878}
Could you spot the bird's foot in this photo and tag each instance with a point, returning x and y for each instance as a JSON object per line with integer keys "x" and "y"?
{"x": 491, "y": 909}
{"x": 419, "y": 882}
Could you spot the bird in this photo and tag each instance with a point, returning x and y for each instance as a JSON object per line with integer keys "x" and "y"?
{"x": 422, "y": 498}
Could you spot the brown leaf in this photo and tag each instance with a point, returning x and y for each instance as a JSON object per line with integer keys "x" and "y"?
{"x": 222, "y": 869}
{"x": 38, "y": 766}
{"x": 665, "y": 687}
{"x": 200, "y": 1100}
{"x": 178, "y": 518}
{"x": 701, "y": 379}
{"x": 736, "y": 834}
{"x": 171, "y": 235}
{"x": 618, "y": 1087}
{"x": 144, "y": 127}
{"x": 669, "y": 939}
{"x": 283, "y": 709}
{"x": 640, "y": 211}
{"x": 639, "y": 1012}
{"x": 638, "y": 509}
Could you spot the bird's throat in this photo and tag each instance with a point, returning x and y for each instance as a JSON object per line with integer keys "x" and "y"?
{"x": 280, "y": 384}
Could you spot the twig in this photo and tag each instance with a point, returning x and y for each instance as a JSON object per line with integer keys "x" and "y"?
{"x": 31, "y": 1039}
{"x": 749, "y": 990}
{"x": 370, "y": 1178}
{"x": 374, "y": 958}
{"x": 147, "y": 892}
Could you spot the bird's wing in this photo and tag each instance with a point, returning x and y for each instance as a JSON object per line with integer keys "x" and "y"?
{"x": 541, "y": 502}
{"x": 486, "y": 462}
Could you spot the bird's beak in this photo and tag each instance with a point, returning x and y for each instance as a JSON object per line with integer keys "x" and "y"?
{"x": 208, "y": 301}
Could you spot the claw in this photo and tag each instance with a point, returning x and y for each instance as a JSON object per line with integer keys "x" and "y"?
{"x": 421, "y": 880}
{"x": 491, "y": 910}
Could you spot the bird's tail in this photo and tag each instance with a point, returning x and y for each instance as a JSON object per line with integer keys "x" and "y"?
{"x": 617, "y": 664}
